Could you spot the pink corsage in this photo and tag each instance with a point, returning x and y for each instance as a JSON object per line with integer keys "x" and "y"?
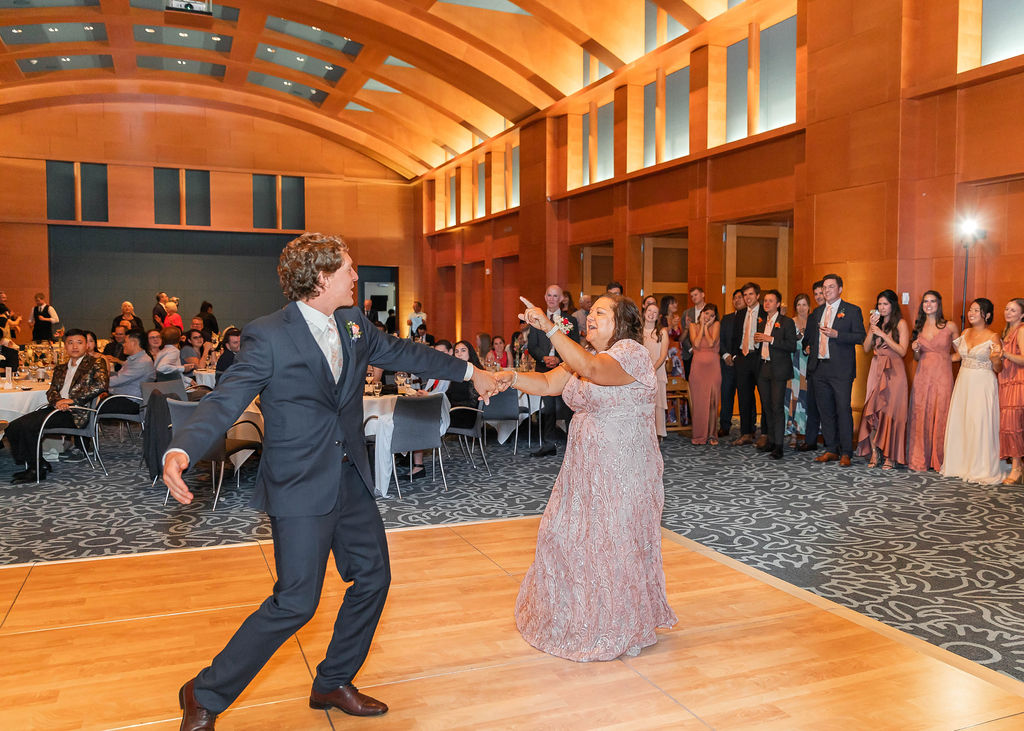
{"x": 354, "y": 331}
{"x": 563, "y": 325}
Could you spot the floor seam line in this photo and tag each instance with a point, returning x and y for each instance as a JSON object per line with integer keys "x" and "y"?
{"x": 666, "y": 693}
{"x": 17, "y": 594}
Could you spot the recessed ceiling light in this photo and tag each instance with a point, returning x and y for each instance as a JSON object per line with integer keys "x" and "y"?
{"x": 52, "y": 29}
{"x": 33, "y": 61}
{"x": 300, "y": 59}
{"x": 65, "y": 59}
{"x": 287, "y": 83}
{"x": 215, "y": 38}
{"x": 271, "y": 50}
{"x": 181, "y": 63}
{"x": 183, "y": 34}
{"x": 150, "y": 30}
{"x": 329, "y": 67}
{"x": 315, "y": 28}
{"x": 86, "y": 27}
{"x": 16, "y": 30}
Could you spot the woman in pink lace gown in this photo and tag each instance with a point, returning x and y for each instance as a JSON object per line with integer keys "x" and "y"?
{"x": 883, "y": 425}
{"x": 932, "y": 342}
{"x": 705, "y": 376}
{"x": 596, "y": 589}
{"x": 1011, "y": 391}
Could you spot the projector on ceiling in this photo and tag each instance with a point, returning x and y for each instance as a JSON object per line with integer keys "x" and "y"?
{"x": 190, "y": 6}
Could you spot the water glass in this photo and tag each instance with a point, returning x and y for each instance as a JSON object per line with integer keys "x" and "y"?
{"x": 376, "y": 389}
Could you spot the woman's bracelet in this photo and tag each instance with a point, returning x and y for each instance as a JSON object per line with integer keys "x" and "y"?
{"x": 552, "y": 331}
{"x": 515, "y": 378}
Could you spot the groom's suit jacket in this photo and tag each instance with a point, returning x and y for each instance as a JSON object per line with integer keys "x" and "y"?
{"x": 310, "y": 422}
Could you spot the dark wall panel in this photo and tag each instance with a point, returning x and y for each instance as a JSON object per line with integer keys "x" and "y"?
{"x": 60, "y": 190}
{"x": 166, "y": 196}
{"x": 264, "y": 201}
{"x": 94, "y": 192}
{"x": 293, "y": 202}
{"x": 93, "y": 269}
{"x": 197, "y": 197}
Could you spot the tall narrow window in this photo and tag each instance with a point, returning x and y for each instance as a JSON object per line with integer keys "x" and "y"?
{"x": 197, "y": 197}
{"x": 585, "y": 152}
{"x": 778, "y": 75}
{"x": 513, "y": 195}
{"x": 94, "y": 192}
{"x": 453, "y": 195}
{"x": 166, "y": 196}
{"x": 674, "y": 28}
{"x": 677, "y": 114}
{"x": 264, "y": 201}
{"x": 605, "y": 142}
{"x": 650, "y": 26}
{"x": 481, "y": 189}
{"x": 650, "y": 123}
{"x": 60, "y": 190}
{"x": 736, "y": 92}
{"x": 1002, "y": 30}
{"x": 293, "y": 202}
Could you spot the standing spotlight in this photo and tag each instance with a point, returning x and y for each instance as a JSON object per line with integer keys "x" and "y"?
{"x": 969, "y": 235}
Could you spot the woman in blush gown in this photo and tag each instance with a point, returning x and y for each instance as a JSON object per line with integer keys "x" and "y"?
{"x": 931, "y": 341}
{"x": 596, "y": 589}
{"x": 1011, "y": 391}
{"x": 972, "y": 429}
{"x": 705, "y": 375}
{"x": 883, "y": 425}
{"x": 656, "y": 342}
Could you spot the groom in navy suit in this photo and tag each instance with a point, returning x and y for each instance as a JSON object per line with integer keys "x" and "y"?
{"x": 833, "y": 331}
{"x": 307, "y": 363}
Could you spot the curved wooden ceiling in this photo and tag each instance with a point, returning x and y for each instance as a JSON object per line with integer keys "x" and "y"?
{"x": 429, "y": 79}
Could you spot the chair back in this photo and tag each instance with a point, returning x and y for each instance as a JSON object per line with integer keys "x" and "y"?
{"x": 181, "y": 411}
{"x": 417, "y": 423}
{"x": 503, "y": 406}
{"x": 115, "y": 405}
{"x": 167, "y": 388}
{"x": 168, "y": 376}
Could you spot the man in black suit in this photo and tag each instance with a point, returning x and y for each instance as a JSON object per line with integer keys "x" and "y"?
{"x": 833, "y": 332}
{"x": 728, "y": 369}
{"x": 776, "y": 339}
{"x": 368, "y": 312}
{"x": 307, "y": 362}
{"x": 747, "y": 360}
{"x": 538, "y": 345}
{"x": 813, "y": 427}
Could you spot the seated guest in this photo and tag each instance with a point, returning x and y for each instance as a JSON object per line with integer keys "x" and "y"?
{"x": 483, "y": 345}
{"x": 168, "y": 361}
{"x": 497, "y": 355}
{"x": 153, "y": 343}
{"x": 128, "y": 318}
{"x": 196, "y": 350}
{"x": 173, "y": 319}
{"x": 74, "y": 383}
{"x": 199, "y": 324}
{"x": 391, "y": 325}
{"x": 463, "y": 393}
{"x": 91, "y": 350}
{"x": 435, "y": 385}
{"x": 422, "y": 336}
{"x": 137, "y": 369}
{"x": 113, "y": 352}
{"x": 210, "y": 323}
{"x": 232, "y": 344}
{"x": 9, "y": 354}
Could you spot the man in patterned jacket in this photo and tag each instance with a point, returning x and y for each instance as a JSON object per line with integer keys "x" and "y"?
{"x": 75, "y": 383}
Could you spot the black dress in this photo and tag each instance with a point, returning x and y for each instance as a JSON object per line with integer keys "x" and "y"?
{"x": 462, "y": 393}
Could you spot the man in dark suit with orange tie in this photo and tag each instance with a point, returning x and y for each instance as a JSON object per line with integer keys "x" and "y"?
{"x": 834, "y": 330}
{"x": 307, "y": 362}
{"x": 776, "y": 342}
{"x": 539, "y": 347}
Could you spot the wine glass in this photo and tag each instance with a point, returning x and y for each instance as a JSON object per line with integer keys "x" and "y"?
{"x": 376, "y": 389}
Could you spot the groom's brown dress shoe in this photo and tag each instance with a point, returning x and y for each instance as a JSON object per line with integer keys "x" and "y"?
{"x": 827, "y": 457}
{"x": 194, "y": 716}
{"x": 347, "y": 698}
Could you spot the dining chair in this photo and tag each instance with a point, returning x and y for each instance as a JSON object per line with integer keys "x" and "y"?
{"x": 83, "y": 433}
{"x": 471, "y": 432}
{"x": 417, "y": 426}
{"x": 505, "y": 406}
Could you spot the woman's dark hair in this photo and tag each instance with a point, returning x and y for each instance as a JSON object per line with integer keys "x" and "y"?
{"x": 922, "y": 318}
{"x": 805, "y": 298}
{"x": 1019, "y": 301}
{"x": 473, "y": 357}
{"x": 663, "y": 309}
{"x": 713, "y": 307}
{"x": 659, "y": 328}
{"x": 889, "y": 324}
{"x": 206, "y": 306}
{"x": 571, "y": 306}
{"x": 986, "y": 307}
{"x": 95, "y": 342}
{"x": 629, "y": 325}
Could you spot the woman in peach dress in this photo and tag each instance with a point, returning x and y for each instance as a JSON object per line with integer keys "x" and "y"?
{"x": 932, "y": 342}
{"x": 596, "y": 589}
{"x": 705, "y": 375}
{"x": 1011, "y": 391}
{"x": 883, "y": 425}
{"x": 656, "y": 342}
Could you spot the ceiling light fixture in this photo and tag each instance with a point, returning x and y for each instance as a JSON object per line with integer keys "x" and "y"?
{"x": 215, "y": 38}
{"x": 33, "y": 61}
{"x": 53, "y": 29}
{"x": 65, "y": 59}
{"x": 300, "y": 59}
{"x": 318, "y": 30}
{"x": 271, "y": 50}
{"x": 86, "y": 27}
{"x": 328, "y": 67}
{"x": 182, "y": 63}
{"x": 287, "y": 83}
{"x": 150, "y": 30}
{"x": 183, "y": 34}
{"x": 16, "y": 30}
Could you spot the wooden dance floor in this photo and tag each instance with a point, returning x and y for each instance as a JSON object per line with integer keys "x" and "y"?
{"x": 102, "y": 644}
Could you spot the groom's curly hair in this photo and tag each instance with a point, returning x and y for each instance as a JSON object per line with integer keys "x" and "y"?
{"x": 302, "y": 260}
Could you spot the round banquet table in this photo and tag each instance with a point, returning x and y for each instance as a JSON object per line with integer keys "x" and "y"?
{"x": 27, "y": 396}
{"x": 382, "y": 428}
{"x": 205, "y": 377}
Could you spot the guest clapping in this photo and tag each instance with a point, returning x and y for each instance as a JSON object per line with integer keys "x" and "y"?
{"x": 1011, "y": 391}
{"x": 656, "y": 342}
{"x": 931, "y": 341}
{"x": 776, "y": 341}
{"x": 705, "y": 375}
{"x": 883, "y": 426}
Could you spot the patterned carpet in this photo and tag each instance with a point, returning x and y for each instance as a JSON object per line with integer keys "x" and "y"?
{"x": 938, "y": 558}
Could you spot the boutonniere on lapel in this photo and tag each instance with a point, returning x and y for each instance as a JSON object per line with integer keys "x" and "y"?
{"x": 778, "y": 324}
{"x": 841, "y": 315}
{"x": 760, "y": 320}
{"x": 354, "y": 332}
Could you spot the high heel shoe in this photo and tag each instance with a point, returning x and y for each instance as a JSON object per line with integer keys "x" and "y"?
{"x": 1011, "y": 480}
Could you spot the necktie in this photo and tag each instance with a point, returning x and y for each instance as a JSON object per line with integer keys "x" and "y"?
{"x": 764, "y": 346}
{"x": 334, "y": 359}
{"x": 746, "y": 333}
{"x": 822, "y": 339}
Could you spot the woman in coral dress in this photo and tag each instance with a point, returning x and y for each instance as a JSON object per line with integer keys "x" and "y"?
{"x": 656, "y": 342}
{"x": 596, "y": 589}
{"x": 883, "y": 425}
{"x": 1011, "y": 391}
{"x": 932, "y": 342}
{"x": 972, "y": 429}
{"x": 705, "y": 375}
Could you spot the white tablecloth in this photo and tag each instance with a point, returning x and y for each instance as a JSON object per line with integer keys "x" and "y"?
{"x": 505, "y": 427}
{"x": 205, "y": 377}
{"x": 17, "y": 402}
{"x": 246, "y": 431}
{"x": 383, "y": 407}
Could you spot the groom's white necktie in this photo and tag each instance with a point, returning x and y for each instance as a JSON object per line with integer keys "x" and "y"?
{"x": 333, "y": 349}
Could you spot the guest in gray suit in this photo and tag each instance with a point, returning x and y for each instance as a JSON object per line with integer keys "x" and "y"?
{"x": 137, "y": 369}
{"x": 307, "y": 362}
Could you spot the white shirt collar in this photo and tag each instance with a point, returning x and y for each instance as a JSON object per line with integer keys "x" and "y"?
{"x": 314, "y": 318}
{"x": 835, "y": 305}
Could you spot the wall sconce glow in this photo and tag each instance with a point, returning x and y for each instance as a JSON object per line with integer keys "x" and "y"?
{"x": 969, "y": 227}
